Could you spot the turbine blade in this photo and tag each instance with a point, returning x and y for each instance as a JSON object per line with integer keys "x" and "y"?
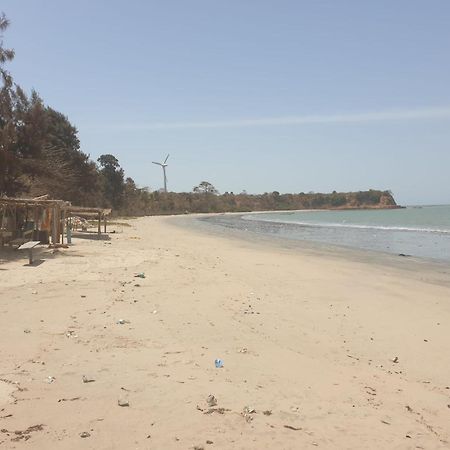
{"x": 167, "y": 157}
{"x": 159, "y": 164}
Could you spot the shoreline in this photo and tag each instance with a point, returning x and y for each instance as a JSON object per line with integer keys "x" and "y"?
{"x": 435, "y": 270}
{"x": 319, "y": 350}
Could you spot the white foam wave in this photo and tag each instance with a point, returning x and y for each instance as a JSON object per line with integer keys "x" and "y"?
{"x": 348, "y": 225}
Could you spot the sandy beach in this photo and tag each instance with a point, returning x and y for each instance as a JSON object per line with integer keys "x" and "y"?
{"x": 318, "y": 351}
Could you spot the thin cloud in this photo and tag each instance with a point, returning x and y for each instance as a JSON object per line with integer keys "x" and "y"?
{"x": 374, "y": 116}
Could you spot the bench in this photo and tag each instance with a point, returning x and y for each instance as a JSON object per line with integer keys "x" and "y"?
{"x": 29, "y": 246}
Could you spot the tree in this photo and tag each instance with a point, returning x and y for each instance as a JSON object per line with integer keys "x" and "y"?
{"x": 205, "y": 187}
{"x": 67, "y": 172}
{"x": 22, "y": 127}
{"x": 113, "y": 180}
{"x": 6, "y": 54}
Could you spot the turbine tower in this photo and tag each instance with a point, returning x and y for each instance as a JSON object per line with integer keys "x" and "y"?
{"x": 163, "y": 165}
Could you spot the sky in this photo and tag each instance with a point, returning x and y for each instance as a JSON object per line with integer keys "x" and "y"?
{"x": 255, "y": 95}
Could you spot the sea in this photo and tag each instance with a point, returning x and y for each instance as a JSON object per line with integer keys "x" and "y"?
{"x": 414, "y": 231}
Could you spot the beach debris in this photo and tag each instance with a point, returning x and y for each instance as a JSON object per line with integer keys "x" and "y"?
{"x": 71, "y": 334}
{"x": 247, "y": 413}
{"x": 243, "y": 350}
{"x": 85, "y": 434}
{"x": 36, "y": 361}
{"x": 68, "y": 399}
{"x": 267, "y": 412}
{"x": 216, "y": 410}
{"x": 87, "y": 379}
{"x": 209, "y": 442}
{"x": 155, "y": 312}
{"x": 371, "y": 390}
{"x": 404, "y": 255}
{"x": 123, "y": 403}
{"x": 25, "y": 434}
{"x": 27, "y": 331}
{"x": 290, "y": 427}
{"x": 50, "y": 379}
{"x": 198, "y": 447}
{"x": 140, "y": 275}
{"x": 213, "y": 410}
{"x": 122, "y": 322}
{"x": 218, "y": 363}
{"x": 211, "y": 400}
{"x": 395, "y": 360}
{"x": 34, "y": 292}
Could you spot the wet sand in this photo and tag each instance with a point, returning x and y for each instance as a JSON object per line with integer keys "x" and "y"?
{"x": 320, "y": 350}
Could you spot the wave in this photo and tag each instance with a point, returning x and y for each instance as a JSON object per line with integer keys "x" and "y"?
{"x": 352, "y": 226}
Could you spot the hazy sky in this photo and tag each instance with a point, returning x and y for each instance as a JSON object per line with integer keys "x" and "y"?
{"x": 250, "y": 94}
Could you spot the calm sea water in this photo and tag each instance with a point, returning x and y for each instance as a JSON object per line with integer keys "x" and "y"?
{"x": 417, "y": 231}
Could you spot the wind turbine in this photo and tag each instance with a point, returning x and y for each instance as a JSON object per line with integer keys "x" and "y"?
{"x": 163, "y": 165}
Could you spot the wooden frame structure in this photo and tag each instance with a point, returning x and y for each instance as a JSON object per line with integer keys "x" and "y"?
{"x": 16, "y": 213}
{"x": 21, "y": 219}
{"x": 99, "y": 214}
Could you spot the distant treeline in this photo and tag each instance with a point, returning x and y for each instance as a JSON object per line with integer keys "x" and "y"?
{"x": 40, "y": 154}
{"x": 207, "y": 202}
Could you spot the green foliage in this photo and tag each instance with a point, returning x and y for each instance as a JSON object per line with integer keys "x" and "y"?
{"x": 112, "y": 176}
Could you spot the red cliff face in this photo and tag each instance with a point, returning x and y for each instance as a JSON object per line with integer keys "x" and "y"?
{"x": 387, "y": 201}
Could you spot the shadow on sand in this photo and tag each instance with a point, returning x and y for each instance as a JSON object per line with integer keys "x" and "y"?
{"x": 91, "y": 235}
{"x": 8, "y": 254}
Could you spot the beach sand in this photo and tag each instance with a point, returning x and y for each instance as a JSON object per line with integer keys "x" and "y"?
{"x": 318, "y": 351}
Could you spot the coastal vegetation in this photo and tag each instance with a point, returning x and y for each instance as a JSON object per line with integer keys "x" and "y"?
{"x": 40, "y": 153}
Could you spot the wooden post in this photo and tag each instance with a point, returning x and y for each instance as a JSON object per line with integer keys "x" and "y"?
{"x": 104, "y": 223}
{"x": 36, "y": 218}
{"x": 63, "y": 219}
{"x": 54, "y": 225}
{"x": 99, "y": 224}
{"x": 14, "y": 221}
{"x": 69, "y": 229}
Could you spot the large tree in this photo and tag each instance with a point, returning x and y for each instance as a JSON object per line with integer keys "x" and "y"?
{"x": 113, "y": 180}
{"x": 205, "y": 187}
{"x": 67, "y": 172}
